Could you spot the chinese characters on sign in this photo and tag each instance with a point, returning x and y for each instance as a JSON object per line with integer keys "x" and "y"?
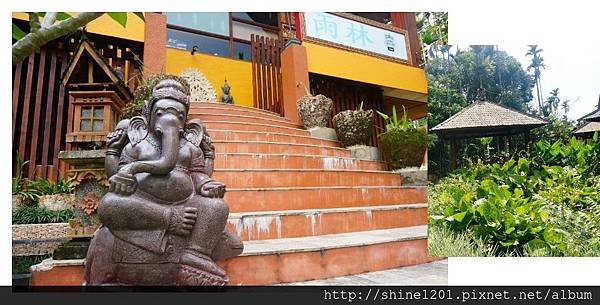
{"x": 350, "y": 33}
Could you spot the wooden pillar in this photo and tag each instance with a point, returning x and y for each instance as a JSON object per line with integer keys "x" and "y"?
{"x": 453, "y": 153}
{"x": 527, "y": 140}
{"x": 510, "y": 144}
{"x": 294, "y": 73}
{"x": 155, "y": 43}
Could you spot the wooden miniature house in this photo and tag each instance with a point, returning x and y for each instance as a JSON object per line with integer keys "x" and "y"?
{"x": 97, "y": 95}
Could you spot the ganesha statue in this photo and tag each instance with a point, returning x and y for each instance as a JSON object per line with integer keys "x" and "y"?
{"x": 163, "y": 217}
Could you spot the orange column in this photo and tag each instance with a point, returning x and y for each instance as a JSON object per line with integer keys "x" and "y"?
{"x": 294, "y": 70}
{"x": 155, "y": 43}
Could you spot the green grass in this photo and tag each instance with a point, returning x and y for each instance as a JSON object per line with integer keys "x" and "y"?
{"x": 445, "y": 243}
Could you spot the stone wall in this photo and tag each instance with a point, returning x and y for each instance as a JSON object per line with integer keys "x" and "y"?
{"x": 36, "y": 239}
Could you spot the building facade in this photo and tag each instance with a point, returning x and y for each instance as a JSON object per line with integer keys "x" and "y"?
{"x": 266, "y": 59}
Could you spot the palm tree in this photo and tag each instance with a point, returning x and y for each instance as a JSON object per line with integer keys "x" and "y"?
{"x": 537, "y": 63}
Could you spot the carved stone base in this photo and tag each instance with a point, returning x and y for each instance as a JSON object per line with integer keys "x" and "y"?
{"x": 365, "y": 152}
{"x": 190, "y": 276}
{"x": 323, "y": 133}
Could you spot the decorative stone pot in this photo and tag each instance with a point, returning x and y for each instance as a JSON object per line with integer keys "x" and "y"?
{"x": 402, "y": 148}
{"x": 57, "y": 202}
{"x": 314, "y": 110}
{"x": 18, "y": 201}
{"x": 353, "y": 127}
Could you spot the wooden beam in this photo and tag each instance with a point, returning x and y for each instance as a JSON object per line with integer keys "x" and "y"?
{"x": 36, "y": 114}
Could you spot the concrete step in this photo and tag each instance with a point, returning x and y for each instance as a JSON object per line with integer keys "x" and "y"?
{"x": 244, "y": 118}
{"x": 287, "y": 260}
{"x": 244, "y": 126}
{"x": 312, "y": 222}
{"x": 307, "y": 258}
{"x": 292, "y": 161}
{"x": 262, "y": 147}
{"x": 264, "y": 178}
{"x": 238, "y": 135}
{"x": 233, "y": 109}
{"x": 301, "y": 198}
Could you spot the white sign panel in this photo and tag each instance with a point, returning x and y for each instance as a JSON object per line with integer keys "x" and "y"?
{"x": 350, "y": 33}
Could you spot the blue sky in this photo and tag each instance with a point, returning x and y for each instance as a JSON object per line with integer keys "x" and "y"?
{"x": 577, "y": 76}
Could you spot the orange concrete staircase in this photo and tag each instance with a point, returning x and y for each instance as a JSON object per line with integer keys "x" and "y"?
{"x": 306, "y": 209}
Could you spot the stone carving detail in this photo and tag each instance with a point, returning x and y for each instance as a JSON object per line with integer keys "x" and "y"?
{"x": 200, "y": 88}
{"x": 164, "y": 217}
{"x": 89, "y": 203}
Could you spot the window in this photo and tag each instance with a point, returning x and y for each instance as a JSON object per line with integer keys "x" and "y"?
{"x": 220, "y": 34}
{"x": 92, "y": 118}
{"x": 205, "y": 44}
{"x": 216, "y": 23}
{"x": 242, "y": 50}
{"x": 261, "y": 18}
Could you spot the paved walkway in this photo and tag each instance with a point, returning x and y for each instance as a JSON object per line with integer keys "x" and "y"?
{"x": 434, "y": 273}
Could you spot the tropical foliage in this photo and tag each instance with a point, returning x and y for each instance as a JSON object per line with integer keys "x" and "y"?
{"x": 545, "y": 204}
{"x": 143, "y": 92}
{"x": 37, "y": 214}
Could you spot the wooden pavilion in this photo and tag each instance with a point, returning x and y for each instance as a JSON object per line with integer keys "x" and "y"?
{"x": 485, "y": 119}
{"x": 591, "y": 125}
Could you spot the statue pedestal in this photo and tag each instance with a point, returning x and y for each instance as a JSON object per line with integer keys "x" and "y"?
{"x": 323, "y": 133}
{"x": 413, "y": 176}
{"x": 365, "y": 152}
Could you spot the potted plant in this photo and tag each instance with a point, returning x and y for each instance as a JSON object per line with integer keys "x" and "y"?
{"x": 354, "y": 127}
{"x": 54, "y": 195}
{"x": 314, "y": 110}
{"x": 404, "y": 142}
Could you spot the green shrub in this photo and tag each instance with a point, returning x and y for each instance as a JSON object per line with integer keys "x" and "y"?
{"x": 21, "y": 185}
{"x": 144, "y": 91}
{"x": 442, "y": 242}
{"x": 547, "y": 204}
{"x": 21, "y": 264}
{"x": 36, "y": 214}
{"x": 403, "y": 148}
{"x": 404, "y": 143}
{"x": 48, "y": 187}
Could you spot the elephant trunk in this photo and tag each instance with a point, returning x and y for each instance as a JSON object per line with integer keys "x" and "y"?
{"x": 169, "y": 134}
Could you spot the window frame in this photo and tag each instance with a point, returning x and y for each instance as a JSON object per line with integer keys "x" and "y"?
{"x": 230, "y": 39}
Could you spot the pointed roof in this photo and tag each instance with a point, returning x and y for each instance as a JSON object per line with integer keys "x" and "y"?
{"x": 483, "y": 118}
{"x": 589, "y": 127}
{"x": 593, "y": 116}
{"x": 77, "y": 73}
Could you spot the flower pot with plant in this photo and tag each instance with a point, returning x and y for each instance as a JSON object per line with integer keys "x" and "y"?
{"x": 314, "y": 110}
{"x": 354, "y": 127}
{"x": 404, "y": 142}
{"x": 54, "y": 195}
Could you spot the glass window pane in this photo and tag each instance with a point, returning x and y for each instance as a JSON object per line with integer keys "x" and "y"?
{"x": 98, "y": 125}
{"x": 241, "y": 50}
{"x": 243, "y": 31}
{"x": 217, "y": 23}
{"x": 264, "y": 18}
{"x": 99, "y": 112}
{"x": 85, "y": 125}
{"x": 86, "y": 112}
{"x": 206, "y": 44}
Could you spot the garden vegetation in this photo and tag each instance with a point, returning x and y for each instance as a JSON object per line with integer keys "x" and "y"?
{"x": 545, "y": 203}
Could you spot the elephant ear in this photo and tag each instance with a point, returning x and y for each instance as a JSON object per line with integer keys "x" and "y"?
{"x": 194, "y": 132}
{"x": 138, "y": 130}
